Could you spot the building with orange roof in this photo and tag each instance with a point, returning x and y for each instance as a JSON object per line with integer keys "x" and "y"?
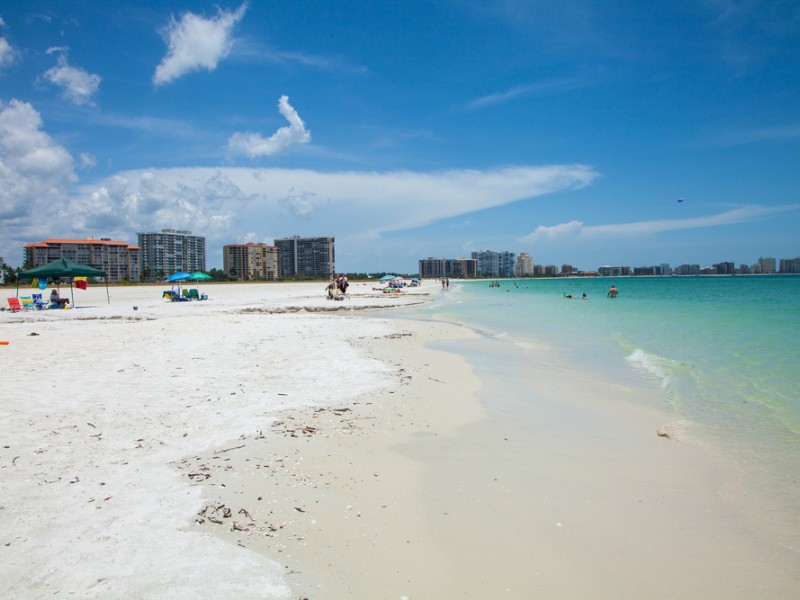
{"x": 120, "y": 260}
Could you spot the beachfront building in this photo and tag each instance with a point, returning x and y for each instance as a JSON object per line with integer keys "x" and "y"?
{"x": 251, "y": 261}
{"x": 609, "y": 271}
{"x": 545, "y": 270}
{"x": 787, "y": 265}
{"x": 766, "y": 265}
{"x": 456, "y": 268}
{"x": 170, "y": 251}
{"x": 432, "y": 268}
{"x": 306, "y": 257}
{"x": 121, "y": 261}
{"x": 687, "y": 269}
{"x": 725, "y": 268}
{"x": 524, "y": 265}
{"x": 646, "y": 270}
{"x": 495, "y": 264}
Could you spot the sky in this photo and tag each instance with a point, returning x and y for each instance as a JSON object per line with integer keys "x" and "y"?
{"x": 582, "y": 132}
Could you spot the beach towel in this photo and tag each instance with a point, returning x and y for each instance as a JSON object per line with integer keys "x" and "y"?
{"x": 81, "y": 285}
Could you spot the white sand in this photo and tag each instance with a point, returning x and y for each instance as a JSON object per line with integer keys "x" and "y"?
{"x": 104, "y": 398}
{"x": 253, "y": 447}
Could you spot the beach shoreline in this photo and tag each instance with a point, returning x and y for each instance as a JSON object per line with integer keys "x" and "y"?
{"x": 258, "y": 447}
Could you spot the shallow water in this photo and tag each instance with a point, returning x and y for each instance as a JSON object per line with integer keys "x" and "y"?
{"x": 719, "y": 354}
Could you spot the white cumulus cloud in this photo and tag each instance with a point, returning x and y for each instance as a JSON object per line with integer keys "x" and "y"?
{"x": 572, "y": 228}
{"x": 300, "y": 205}
{"x": 7, "y": 54}
{"x": 36, "y": 174}
{"x": 77, "y": 85}
{"x": 196, "y": 43}
{"x": 255, "y": 145}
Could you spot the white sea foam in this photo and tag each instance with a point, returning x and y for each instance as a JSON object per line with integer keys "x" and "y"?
{"x": 655, "y": 365}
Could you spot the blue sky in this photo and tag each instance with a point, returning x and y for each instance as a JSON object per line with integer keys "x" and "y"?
{"x": 568, "y": 130}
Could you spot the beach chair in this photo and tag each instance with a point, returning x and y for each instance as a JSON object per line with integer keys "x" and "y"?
{"x": 193, "y": 295}
{"x": 185, "y": 293}
{"x": 38, "y": 302}
{"x": 27, "y": 302}
{"x": 14, "y": 305}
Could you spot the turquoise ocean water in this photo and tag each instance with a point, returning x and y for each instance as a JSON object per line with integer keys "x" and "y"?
{"x": 721, "y": 353}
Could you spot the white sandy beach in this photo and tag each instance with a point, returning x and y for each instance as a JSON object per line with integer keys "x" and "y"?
{"x": 257, "y": 446}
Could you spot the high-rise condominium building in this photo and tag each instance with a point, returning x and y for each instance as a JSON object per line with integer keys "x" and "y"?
{"x": 306, "y": 257}
{"x": 170, "y": 251}
{"x": 766, "y": 265}
{"x": 434, "y": 268}
{"x": 251, "y": 261}
{"x": 787, "y": 265}
{"x": 120, "y": 260}
{"x": 495, "y": 264}
{"x": 524, "y": 265}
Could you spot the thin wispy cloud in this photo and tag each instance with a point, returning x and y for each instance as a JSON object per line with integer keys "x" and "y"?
{"x": 780, "y": 133}
{"x": 158, "y": 126}
{"x": 576, "y": 229}
{"x": 255, "y": 145}
{"x": 521, "y": 91}
{"x": 77, "y": 85}
{"x": 254, "y": 50}
{"x": 196, "y": 43}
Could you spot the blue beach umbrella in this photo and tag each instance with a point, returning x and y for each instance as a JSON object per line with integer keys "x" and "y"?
{"x": 387, "y": 277}
{"x": 179, "y": 276}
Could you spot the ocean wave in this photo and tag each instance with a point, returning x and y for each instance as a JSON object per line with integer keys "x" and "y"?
{"x": 655, "y": 365}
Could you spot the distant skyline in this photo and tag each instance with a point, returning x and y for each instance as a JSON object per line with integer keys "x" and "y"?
{"x": 577, "y": 132}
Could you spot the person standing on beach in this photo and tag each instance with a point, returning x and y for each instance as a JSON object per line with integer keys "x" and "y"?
{"x": 612, "y": 293}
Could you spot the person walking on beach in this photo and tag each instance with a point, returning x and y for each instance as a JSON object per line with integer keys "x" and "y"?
{"x": 612, "y": 293}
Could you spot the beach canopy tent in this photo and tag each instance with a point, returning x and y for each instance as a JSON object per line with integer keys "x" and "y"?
{"x": 63, "y": 268}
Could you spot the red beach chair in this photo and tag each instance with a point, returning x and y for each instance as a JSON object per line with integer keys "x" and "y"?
{"x": 14, "y": 305}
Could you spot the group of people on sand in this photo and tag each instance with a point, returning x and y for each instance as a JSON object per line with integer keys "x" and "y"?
{"x": 337, "y": 288}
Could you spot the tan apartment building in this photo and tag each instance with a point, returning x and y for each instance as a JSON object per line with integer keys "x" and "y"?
{"x": 251, "y": 261}
{"x": 120, "y": 260}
